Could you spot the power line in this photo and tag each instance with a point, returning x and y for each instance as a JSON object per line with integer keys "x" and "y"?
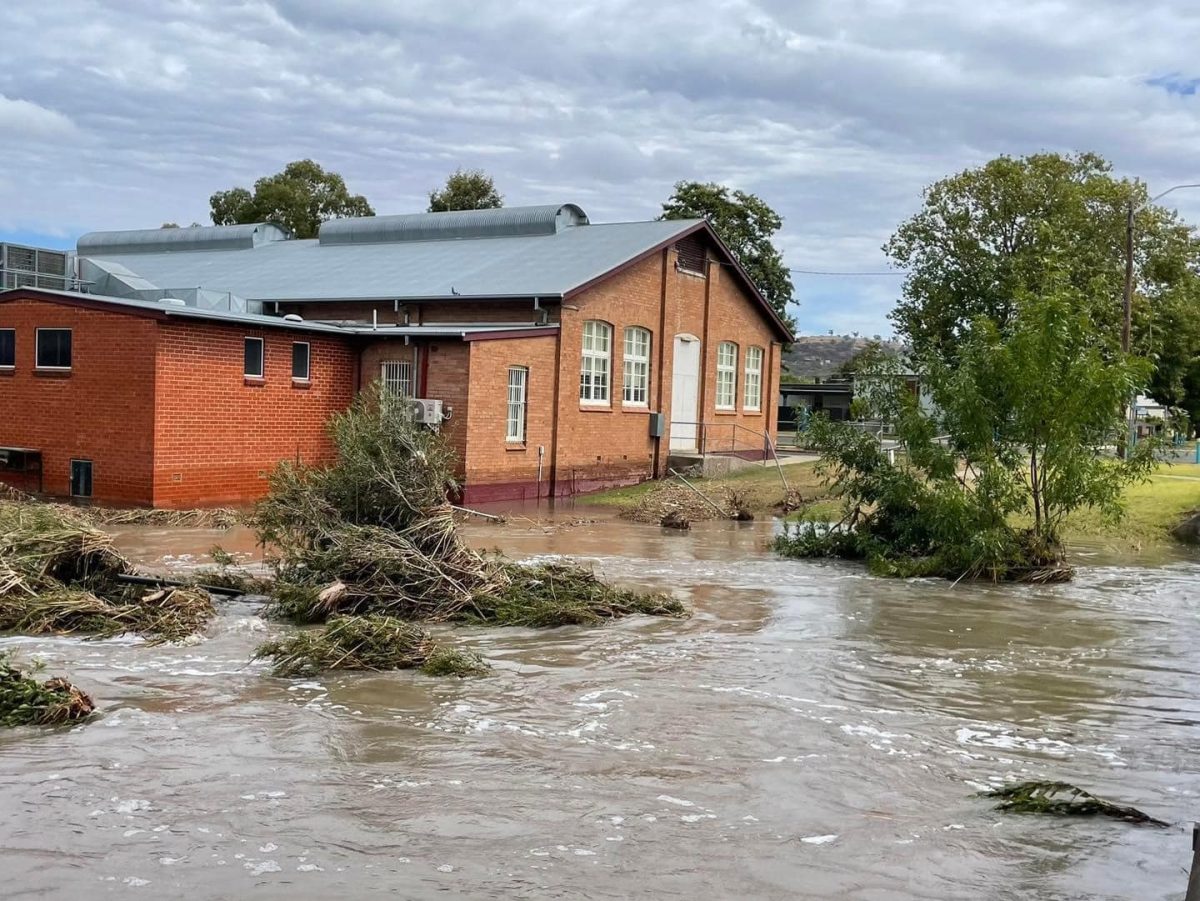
{"x": 826, "y": 272}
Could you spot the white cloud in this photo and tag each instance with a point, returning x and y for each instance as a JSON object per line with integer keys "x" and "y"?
{"x": 128, "y": 112}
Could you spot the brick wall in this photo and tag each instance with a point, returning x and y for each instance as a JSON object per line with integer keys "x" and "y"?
{"x": 101, "y": 411}
{"x": 610, "y": 443}
{"x": 217, "y": 434}
{"x": 495, "y": 467}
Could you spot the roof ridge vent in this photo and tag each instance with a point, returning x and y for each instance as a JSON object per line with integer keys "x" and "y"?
{"x": 180, "y": 240}
{"x": 504, "y": 222}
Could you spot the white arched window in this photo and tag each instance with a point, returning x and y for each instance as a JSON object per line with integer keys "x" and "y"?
{"x": 752, "y": 380}
{"x": 596, "y": 365}
{"x": 637, "y": 367}
{"x": 727, "y": 353}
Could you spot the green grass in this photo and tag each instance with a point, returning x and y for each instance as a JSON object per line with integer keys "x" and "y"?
{"x": 760, "y": 483}
{"x": 1152, "y": 509}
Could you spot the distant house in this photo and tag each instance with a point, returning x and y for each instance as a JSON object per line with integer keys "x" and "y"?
{"x": 556, "y": 355}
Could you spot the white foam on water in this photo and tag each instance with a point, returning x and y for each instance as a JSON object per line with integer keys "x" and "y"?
{"x": 171, "y": 861}
{"x": 268, "y": 848}
{"x": 131, "y": 806}
{"x": 308, "y": 868}
{"x": 135, "y": 882}
{"x": 677, "y": 801}
{"x": 445, "y": 868}
{"x": 264, "y": 866}
{"x": 818, "y": 839}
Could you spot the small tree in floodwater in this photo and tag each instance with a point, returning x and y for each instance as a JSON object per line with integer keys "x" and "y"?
{"x": 1013, "y": 446}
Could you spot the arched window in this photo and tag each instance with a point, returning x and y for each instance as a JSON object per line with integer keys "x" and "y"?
{"x": 637, "y": 367}
{"x": 752, "y": 380}
{"x": 727, "y": 354}
{"x": 596, "y": 364}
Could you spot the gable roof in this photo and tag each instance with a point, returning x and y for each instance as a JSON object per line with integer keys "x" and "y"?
{"x": 516, "y": 252}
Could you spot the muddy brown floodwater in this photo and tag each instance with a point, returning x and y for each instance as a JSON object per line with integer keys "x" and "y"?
{"x": 811, "y": 732}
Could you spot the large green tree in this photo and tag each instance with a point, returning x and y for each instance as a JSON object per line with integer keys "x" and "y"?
{"x": 299, "y": 198}
{"x": 746, "y": 224}
{"x": 466, "y": 189}
{"x": 984, "y": 236}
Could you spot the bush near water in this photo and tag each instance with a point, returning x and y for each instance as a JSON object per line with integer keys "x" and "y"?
{"x": 374, "y": 536}
{"x": 26, "y": 702}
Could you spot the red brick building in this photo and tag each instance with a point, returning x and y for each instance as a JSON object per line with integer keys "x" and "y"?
{"x": 559, "y": 356}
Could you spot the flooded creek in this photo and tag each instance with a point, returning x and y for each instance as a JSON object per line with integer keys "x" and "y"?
{"x": 810, "y": 732}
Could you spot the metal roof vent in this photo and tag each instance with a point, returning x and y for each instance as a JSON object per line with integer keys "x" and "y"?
{"x": 506, "y": 222}
{"x": 177, "y": 240}
{"x": 173, "y": 302}
{"x": 293, "y": 317}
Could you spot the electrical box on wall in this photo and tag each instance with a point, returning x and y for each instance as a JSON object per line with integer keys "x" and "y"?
{"x": 658, "y": 425}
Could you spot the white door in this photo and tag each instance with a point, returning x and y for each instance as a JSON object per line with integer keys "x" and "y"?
{"x": 685, "y": 393}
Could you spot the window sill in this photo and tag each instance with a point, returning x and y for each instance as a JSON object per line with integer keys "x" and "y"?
{"x": 746, "y": 411}
{"x": 726, "y": 412}
{"x": 515, "y": 446}
{"x": 252, "y": 382}
{"x": 635, "y": 408}
{"x": 301, "y": 384}
{"x": 595, "y": 408}
{"x": 45, "y": 373}
{"x": 8, "y": 370}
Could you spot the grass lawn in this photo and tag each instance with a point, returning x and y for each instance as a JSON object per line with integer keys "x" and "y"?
{"x": 759, "y": 484}
{"x": 1152, "y": 508}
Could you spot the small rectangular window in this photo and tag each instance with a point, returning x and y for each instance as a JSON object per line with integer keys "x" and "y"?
{"x": 81, "y": 478}
{"x": 253, "y": 358}
{"x": 300, "y": 360}
{"x": 8, "y": 348}
{"x": 593, "y": 373}
{"x": 637, "y": 367}
{"x": 518, "y": 377}
{"x": 752, "y": 382}
{"x": 397, "y": 378}
{"x": 727, "y": 375}
{"x": 53, "y": 349}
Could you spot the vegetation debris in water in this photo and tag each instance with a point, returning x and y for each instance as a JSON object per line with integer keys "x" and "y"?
{"x": 26, "y": 702}
{"x": 374, "y": 534}
{"x": 60, "y": 574}
{"x": 1063, "y": 799}
{"x": 370, "y": 642}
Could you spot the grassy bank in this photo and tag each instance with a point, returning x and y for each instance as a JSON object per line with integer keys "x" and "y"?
{"x": 1153, "y": 508}
{"x": 760, "y": 486}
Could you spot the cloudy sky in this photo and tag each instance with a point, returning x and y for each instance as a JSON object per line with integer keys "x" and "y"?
{"x": 128, "y": 113}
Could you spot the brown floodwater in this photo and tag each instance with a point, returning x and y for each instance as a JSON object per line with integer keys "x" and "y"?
{"x": 810, "y": 732}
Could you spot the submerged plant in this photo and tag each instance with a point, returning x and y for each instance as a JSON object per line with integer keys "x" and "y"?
{"x": 26, "y": 702}
{"x": 370, "y": 642}
{"x": 1063, "y": 799}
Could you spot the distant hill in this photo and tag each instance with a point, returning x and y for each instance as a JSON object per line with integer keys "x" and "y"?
{"x": 814, "y": 356}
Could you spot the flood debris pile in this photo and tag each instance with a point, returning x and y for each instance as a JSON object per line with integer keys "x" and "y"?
{"x": 675, "y": 505}
{"x": 24, "y": 701}
{"x": 60, "y": 574}
{"x": 1065, "y": 800}
{"x": 375, "y": 535}
{"x": 371, "y": 642}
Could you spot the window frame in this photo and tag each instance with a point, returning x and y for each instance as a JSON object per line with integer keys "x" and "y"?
{"x": 37, "y": 349}
{"x": 261, "y": 375}
{"x": 752, "y": 376}
{"x": 729, "y": 370}
{"x": 406, "y": 377}
{"x": 521, "y": 421}
{"x": 601, "y": 365}
{"x": 13, "y": 333}
{"x": 632, "y": 361}
{"x": 307, "y": 345}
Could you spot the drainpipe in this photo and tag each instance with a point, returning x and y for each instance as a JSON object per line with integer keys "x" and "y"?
{"x": 662, "y": 360}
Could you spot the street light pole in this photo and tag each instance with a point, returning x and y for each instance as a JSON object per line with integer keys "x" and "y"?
{"x": 1127, "y": 319}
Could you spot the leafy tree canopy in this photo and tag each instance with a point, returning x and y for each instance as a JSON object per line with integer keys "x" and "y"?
{"x": 983, "y": 237}
{"x": 746, "y": 224}
{"x": 299, "y": 198}
{"x": 466, "y": 189}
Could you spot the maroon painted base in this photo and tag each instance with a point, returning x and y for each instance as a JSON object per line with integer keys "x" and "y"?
{"x": 529, "y": 491}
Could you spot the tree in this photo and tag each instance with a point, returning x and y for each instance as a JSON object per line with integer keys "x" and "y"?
{"x": 466, "y": 189}
{"x": 299, "y": 198}
{"x": 746, "y": 224}
{"x": 1170, "y": 334}
{"x": 1026, "y": 406}
{"x": 984, "y": 236}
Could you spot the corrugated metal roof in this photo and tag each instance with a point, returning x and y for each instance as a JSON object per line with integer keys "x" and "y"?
{"x": 180, "y": 240}
{"x": 173, "y": 311}
{"x": 529, "y": 266}
{"x": 506, "y": 222}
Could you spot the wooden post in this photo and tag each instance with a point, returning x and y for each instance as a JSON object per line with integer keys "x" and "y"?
{"x": 1193, "y": 887}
